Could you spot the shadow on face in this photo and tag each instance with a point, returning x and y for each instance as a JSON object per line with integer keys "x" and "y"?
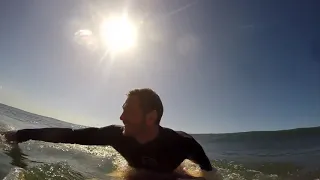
{"x": 133, "y": 117}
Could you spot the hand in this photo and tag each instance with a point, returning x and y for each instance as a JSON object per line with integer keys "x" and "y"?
{"x": 10, "y": 136}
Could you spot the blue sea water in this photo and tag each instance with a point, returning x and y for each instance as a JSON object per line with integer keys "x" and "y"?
{"x": 289, "y": 154}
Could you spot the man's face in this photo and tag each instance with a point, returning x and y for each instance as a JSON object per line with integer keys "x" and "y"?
{"x": 133, "y": 117}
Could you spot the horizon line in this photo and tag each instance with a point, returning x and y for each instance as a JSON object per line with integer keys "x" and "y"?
{"x": 253, "y": 131}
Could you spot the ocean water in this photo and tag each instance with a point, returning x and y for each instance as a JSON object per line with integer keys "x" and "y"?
{"x": 291, "y": 154}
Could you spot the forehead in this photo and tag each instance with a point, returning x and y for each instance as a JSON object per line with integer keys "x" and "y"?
{"x": 132, "y": 101}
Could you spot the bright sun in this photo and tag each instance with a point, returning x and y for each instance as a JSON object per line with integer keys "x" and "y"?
{"x": 118, "y": 33}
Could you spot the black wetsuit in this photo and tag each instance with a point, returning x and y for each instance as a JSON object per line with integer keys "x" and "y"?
{"x": 164, "y": 154}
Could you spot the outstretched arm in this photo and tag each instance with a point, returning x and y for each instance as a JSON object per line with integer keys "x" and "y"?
{"x": 85, "y": 136}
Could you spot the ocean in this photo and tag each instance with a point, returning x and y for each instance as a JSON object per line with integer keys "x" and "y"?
{"x": 289, "y": 154}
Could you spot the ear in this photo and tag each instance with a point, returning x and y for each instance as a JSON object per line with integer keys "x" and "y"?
{"x": 151, "y": 117}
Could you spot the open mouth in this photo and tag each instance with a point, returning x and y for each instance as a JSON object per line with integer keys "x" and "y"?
{"x": 126, "y": 125}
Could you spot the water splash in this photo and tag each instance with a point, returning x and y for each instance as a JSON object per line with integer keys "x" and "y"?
{"x": 16, "y": 174}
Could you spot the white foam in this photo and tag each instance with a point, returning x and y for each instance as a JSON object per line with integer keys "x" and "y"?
{"x": 15, "y": 174}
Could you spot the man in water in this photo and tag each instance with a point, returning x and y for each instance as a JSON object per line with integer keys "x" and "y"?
{"x": 141, "y": 141}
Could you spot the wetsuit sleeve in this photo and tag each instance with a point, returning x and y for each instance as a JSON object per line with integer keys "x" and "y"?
{"x": 86, "y": 136}
{"x": 195, "y": 152}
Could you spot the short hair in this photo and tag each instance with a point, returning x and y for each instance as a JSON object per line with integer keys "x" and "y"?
{"x": 149, "y": 101}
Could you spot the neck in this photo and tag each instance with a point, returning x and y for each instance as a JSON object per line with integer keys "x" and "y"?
{"x": 149, "y": 135}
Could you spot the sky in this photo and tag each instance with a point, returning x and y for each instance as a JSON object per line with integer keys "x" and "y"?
{"x": 218, "y": 66}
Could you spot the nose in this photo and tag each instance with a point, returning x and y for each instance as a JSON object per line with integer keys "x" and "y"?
{"x": 122, "y": 117}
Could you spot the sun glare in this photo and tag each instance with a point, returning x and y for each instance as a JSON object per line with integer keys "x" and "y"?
{"x": 118, "y": 33}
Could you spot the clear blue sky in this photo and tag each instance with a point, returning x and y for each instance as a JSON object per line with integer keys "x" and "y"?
{"x": 219, "y": 66}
